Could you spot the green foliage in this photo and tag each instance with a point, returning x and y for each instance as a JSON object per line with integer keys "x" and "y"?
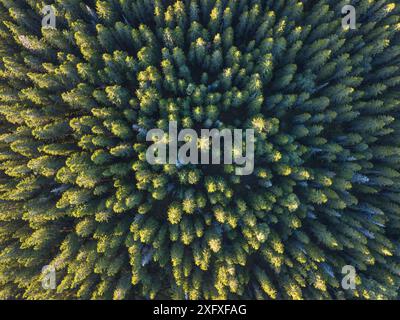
{"x": 77, "y": 193}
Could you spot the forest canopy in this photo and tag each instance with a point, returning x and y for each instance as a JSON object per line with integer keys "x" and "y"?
{"x": 76, "y": 191}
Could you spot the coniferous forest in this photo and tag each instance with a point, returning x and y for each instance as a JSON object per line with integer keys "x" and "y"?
{"x": 76, "y": 191}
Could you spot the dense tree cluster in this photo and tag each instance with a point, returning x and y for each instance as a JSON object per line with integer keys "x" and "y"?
{"x": 77, "y": 193}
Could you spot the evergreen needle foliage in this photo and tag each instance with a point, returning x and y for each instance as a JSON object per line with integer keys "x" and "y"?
{"x": 76, "y": 191}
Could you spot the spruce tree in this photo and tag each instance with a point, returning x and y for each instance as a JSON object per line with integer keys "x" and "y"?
{"x": 77, "y": 193}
